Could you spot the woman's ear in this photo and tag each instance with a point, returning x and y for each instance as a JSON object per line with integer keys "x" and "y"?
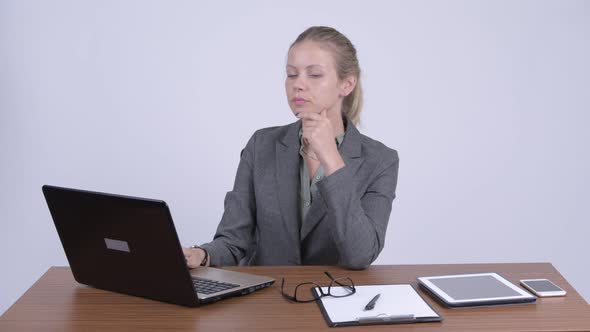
{"x": 347, "y": 85}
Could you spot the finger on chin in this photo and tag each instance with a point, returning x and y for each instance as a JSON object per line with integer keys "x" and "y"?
{"x": 308, "y": 115}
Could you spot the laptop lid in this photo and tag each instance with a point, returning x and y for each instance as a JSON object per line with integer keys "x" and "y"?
{"x": 129, "y": 245}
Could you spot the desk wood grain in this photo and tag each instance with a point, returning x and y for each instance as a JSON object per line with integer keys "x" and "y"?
{"x": 57, "y": 303}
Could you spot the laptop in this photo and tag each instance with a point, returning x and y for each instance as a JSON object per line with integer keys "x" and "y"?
{"x": 129, "y": 245}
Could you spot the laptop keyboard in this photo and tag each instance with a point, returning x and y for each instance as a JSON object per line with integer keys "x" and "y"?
{"x": 206, "y": 286}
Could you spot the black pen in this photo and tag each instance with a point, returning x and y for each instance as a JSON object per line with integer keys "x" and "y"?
{"x": 371, "y": 303}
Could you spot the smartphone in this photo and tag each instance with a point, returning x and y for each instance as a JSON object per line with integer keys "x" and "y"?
{"x": 542, "y": 287}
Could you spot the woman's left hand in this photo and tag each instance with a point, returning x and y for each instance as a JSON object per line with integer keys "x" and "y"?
{"x": 319, "y": 136}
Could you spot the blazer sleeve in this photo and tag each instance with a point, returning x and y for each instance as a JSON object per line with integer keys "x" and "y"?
{"x": 360, "y": 221}
{"x": 235, "y": 232}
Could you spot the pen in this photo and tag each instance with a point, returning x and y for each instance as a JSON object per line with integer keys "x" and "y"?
{"x": 371, "y": 303}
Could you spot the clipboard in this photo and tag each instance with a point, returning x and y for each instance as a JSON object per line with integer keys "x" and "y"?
{"x": 397, "y": 304}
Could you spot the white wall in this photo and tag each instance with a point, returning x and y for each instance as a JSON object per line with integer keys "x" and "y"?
{"x": 487, "y": 103}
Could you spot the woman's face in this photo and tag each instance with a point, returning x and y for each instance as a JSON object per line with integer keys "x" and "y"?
{"x": 312, "y": 82}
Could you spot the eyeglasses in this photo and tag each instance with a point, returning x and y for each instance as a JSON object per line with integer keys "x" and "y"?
{"x": 304, "y": 292}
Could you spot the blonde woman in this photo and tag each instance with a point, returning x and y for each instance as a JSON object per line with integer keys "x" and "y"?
{"x": 316, "y": 191}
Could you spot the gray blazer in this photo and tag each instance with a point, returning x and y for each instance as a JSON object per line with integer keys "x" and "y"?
{"x": 346, "y": 222}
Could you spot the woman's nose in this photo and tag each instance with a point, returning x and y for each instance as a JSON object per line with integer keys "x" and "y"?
{"x": 299, "y": 84}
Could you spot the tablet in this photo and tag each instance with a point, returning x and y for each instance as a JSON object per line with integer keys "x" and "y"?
{"x": 480, "y": 289}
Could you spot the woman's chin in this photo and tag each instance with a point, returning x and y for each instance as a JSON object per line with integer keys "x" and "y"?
{"x": 307, "y": 108}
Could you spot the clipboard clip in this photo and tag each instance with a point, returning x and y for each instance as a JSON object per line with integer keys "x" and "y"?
{"x": 385, "y": 318}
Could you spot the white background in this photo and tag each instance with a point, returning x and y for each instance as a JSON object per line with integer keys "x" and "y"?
{"x": 487, "y": 103}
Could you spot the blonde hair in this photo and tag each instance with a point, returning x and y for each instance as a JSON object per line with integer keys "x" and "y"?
{"x": 346, "y": 64}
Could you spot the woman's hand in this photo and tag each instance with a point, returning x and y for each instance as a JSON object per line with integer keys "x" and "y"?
{"x": 319, "y": 137}
{"x": 193, "y": 256}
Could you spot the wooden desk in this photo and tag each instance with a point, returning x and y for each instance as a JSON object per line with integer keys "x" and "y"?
{"x": 57, "y": 303}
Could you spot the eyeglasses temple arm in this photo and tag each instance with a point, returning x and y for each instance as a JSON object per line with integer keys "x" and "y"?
{"x": 334, "y": 280}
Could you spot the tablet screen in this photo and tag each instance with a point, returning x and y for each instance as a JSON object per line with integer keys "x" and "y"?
{"x": 473, "y": 287}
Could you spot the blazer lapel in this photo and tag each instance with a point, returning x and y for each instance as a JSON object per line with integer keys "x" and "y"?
{"x": 350, "y": 150}
{"x": 287, "y": 179}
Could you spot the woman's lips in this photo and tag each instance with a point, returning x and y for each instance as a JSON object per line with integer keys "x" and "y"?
{"x": 299, "y": 101}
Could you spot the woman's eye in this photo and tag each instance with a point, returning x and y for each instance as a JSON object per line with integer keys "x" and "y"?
{"x": 315, "y": 75}
{"x": 291, "y": 75}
